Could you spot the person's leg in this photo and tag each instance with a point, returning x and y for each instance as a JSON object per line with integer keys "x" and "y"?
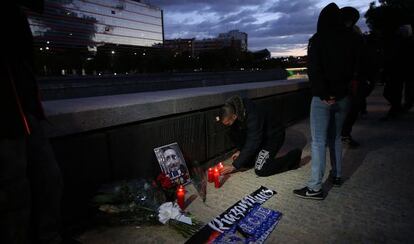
{"x": 363, "y": 107}
{"x": 46, "y": 182}
{"x": 265, "y": 163}
{"x": 393, "y": 93}
{"x": 408, "y": 94}
{"x": 319, "y": 119}
{"x": 339, "y": 112}
{"x": 14, "y": 191}
{"x": 351, "y": 117}
{"x": 355, "y": 107}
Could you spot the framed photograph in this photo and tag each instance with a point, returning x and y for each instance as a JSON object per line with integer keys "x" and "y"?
{"x": 172, "y": 163}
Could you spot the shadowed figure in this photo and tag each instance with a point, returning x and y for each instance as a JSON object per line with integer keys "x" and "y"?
{"x": 30, "y": 180}
{"x": 257, "y": 138}
{"x": 333, "y": 60}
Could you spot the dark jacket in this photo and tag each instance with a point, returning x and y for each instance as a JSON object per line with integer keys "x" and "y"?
{"x": 251, "y": 132}
{"x": 333, "y": 54}
{"x": 18, "y": 89}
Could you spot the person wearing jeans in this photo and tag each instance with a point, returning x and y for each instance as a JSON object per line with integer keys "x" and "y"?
{"x": 333, "y": 68}
{"x": 326, "y": 125}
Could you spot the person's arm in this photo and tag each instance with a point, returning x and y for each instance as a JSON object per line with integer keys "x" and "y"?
{"x": 234, "y": 137}
{"x": 359, "y": 71}
{"x": 253, "y": 140}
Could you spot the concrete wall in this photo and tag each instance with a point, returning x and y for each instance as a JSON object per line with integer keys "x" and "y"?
{"x": 109, "y": 138}
{"x": 88, "y": 86}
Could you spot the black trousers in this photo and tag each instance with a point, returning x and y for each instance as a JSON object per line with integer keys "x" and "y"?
{"x": 358, "y": 104}
{"x": 266, "y": 164}
{"x": 30, "y": 189}
{"x": 409, "y": 92}
{"x": 393, "y": 91}
{"x": 355, "y": 107}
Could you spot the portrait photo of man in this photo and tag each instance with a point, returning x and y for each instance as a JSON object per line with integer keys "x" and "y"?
{"x": 172, "y": 163}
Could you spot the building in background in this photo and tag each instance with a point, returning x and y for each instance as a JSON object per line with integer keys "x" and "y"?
{"x": 263, "y": 54}
{"x": 212, "y": 44}
{"x": 236, "y": 35}
{"x": 92, "y": 36}
{"x": 180, "y": 46}
{"x": 233, "y": 39}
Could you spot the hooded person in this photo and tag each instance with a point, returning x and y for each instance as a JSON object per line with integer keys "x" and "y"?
{"x": 257, "y": 139}
{"x": 368, "y": 73}
{"x": 332, "y": 65}
{"x": 350, "y": 16}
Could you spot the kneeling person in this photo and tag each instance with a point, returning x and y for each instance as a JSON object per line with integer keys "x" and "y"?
{"x": 256, "y": 138}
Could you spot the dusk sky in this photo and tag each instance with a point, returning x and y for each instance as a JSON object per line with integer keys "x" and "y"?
{"x": 282, "y": 26}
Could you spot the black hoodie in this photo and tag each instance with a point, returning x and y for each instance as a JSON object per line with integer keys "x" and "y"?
{"x": 333, "y": 54}
{"x": 252, "y": 130}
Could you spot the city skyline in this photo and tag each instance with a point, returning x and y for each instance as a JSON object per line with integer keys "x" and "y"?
{"x": 282, "y": 26}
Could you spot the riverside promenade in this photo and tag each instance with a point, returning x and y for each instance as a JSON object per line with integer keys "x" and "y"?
{"x": 374, "y": 205}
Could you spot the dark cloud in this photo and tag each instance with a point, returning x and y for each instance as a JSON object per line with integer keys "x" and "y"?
{"x": 301, "y": 22}
{"x": 274, "y": 24}
{"x": 206, "y": 5}
{"x": 289, "y": 6}
{"x": 243, "y": 17}
{"x": 264, "y": 42}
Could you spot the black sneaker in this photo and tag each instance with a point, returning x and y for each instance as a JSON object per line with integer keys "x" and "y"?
{"x": 308, "y": 193}
{"x": 348, "y": 141}
{"x": 336, "y": 181}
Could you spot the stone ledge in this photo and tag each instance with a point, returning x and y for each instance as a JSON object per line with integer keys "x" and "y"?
{"x": 73, "y": 116}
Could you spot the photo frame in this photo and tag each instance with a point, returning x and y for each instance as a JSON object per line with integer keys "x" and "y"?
{"x": 172, "y": 163}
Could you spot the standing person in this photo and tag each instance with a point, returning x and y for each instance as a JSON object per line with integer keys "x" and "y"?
{"x": 396, "y": 58}
{"x": 407, "y": 32}
{"x": 332, "y": 64}
{"x": 257, "y": 139}
{"x": 364, "y": 83}
{"x": 30, "y": 180}
{"x": 350, "y": 16}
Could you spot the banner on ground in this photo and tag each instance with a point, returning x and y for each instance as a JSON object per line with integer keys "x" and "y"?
{"x": 227, "y": 220}
{"x": 254, "y": 228}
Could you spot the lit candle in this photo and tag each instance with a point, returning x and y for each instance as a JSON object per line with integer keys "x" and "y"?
{"x": 220, "y": 166}
{"x": 216, "y": 178}
{"x": 210, "y": 175}
{"x": 180, "y": 196}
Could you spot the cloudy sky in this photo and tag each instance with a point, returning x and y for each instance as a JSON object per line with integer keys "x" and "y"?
{"x": 282, "y": 26}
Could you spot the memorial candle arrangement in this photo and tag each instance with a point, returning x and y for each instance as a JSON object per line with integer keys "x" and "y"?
{"x": 180, "y": 196}
{"x": 214, "y": 173}
{"x": 216, "y": 178}
{"x": 210, "y": 175}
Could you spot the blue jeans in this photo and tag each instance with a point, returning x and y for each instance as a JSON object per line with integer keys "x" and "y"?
{"x": 326, "y": 126}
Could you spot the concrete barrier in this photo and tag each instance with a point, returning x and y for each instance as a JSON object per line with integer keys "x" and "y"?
{"x": 53, "y": 88}
{"x": 107, "y": 138}
{"x": 71, "y": 116}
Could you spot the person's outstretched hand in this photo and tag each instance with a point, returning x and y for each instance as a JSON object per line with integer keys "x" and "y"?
{"x": 228, "y": 169}
{"x": 235, "y": 155}
{"x": 330, "y": 101}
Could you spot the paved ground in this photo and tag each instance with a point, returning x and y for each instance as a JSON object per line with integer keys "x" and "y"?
{"x": 374, "y": 205}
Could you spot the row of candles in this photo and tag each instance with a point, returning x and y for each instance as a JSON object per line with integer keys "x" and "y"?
{"x": 213, "y": 174}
